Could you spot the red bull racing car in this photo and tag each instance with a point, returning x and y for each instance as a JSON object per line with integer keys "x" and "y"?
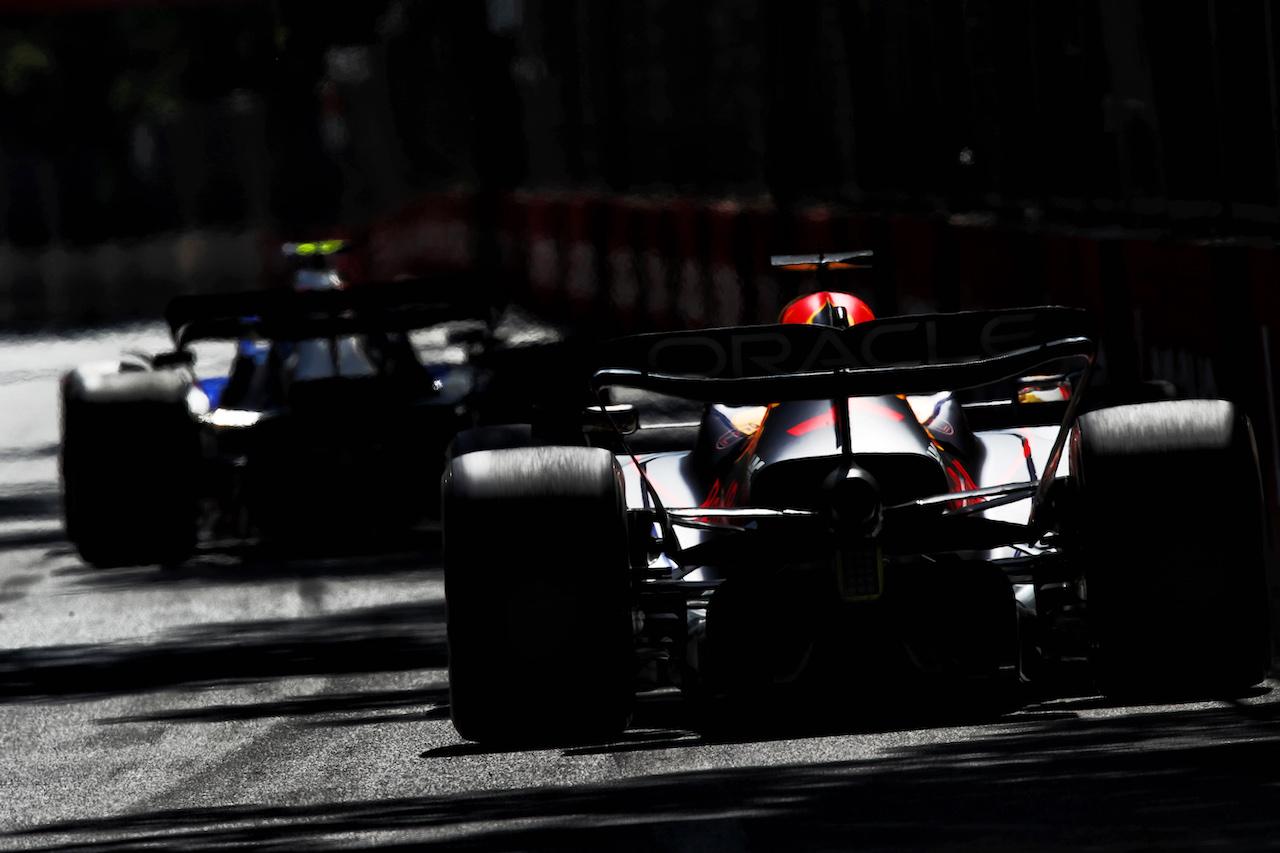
{"x": 870, "y": 503}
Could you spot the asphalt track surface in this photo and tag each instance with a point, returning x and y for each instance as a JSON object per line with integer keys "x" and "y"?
{"x": 299, "y": 701}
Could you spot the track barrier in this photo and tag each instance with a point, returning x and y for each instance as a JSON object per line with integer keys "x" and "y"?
{"x": 1202, "y": 315}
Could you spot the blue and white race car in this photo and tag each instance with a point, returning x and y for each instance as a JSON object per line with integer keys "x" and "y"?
{"x": 328, "y": 421}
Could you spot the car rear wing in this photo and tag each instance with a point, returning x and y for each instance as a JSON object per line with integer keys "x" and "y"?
{"x": 282, "y": 314}
{"x": 918, "y": 354}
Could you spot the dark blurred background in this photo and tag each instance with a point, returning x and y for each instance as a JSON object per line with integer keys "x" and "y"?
{"x": 121, "y": 120}
{"x": 631, "y": 166}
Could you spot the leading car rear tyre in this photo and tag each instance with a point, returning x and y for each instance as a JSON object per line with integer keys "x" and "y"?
{"x": 1170, "y": 531}
{"x": 537, "y": 588}
{"x": 129, "y": 466}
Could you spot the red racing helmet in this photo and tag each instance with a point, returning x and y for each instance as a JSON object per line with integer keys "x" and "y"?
{"x": 827, "y": 308}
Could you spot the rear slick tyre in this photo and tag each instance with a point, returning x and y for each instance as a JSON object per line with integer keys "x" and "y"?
{"x": 1170, "y": 531}
{"x": 130, "y": 466}
{"x": 537, "y": 586}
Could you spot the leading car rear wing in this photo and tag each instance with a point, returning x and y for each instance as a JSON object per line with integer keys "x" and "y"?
{"x": 294, "y": 315}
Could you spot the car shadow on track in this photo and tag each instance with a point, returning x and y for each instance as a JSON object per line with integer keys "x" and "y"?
{"x": 29, "y": 452}
{"x": 386, "y": 638}
{"x": 664, "y": 720}
{"x": 329, "y": 710}
{"x": 1186, "y": 779}
{"x": 30, "y": 515}
{"x": 33, "y": 501}
{"x": 38, "y": 506}
{"x": 399, "y": 555}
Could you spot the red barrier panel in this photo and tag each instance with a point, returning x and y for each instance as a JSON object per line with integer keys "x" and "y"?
{"x": 657, "y": 250}
{"x": 1069, "y": 271}
{"x": 1171, "y": 295}
{"x": 622, "y": 263}
{"x": 985, "y": 268}
{"x": 761, "y": 234}
{"x": 914, "y": 256}
{"x": 1170, "y": 286}
{"x": 728, "y": 292}
{"x": 511, "y": 239}
{"x": 810, "y": 231}
{"x": 433, "y": 234}
{"x": 584, "y": 234}
{"x": 688, "y": 225}
{"x": 543, "y": 221}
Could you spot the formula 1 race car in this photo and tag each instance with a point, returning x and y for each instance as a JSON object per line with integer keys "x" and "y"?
{"x": 870, "y": 503}
{"x": 327, "y": 421}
